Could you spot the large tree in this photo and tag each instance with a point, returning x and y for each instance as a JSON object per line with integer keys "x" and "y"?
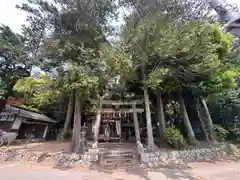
{"x": 71, "y": 33}
{"x": 15, "y": 61}
{"x": 191, "y": 51}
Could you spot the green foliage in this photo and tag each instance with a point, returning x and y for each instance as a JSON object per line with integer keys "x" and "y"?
{"x": 15, "y": 61}
{"x": 224, "y": 80}
{"x": 175, "y": 138}
{"x": 32, "y": 84}
{"x": 117, "y": 62}
{"x": 157, "y": 77}
{"x": 77, "y": 78}
{"x": 180, "y": 56}
{"x": 220, "y": 132}
{"x": 30, "y": 108}
{"x": 74, "y": 27}
{"x": 224, "y": 109}
{"x": 38, "y": 91}
{"x": 177, "y": 10}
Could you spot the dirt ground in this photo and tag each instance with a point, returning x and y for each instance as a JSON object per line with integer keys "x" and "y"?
{"x": 56, "y": 146}
{"x": 50, "y": 146}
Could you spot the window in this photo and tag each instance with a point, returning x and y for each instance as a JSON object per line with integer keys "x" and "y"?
{"x": 4, "y": 117}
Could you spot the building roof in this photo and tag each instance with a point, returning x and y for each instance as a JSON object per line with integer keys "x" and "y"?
{"x": 28, "y": 114}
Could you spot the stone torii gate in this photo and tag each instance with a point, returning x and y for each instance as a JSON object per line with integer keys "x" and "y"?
{"x": 133, "y": 110}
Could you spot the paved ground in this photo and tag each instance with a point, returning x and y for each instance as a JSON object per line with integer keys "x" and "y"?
{"x": 220, "y": 171}
{"x": 199, "y": 171}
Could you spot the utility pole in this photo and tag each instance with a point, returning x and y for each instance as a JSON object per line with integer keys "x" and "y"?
{"x": 229, "y": 14}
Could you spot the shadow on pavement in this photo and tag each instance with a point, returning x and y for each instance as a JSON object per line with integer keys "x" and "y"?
{"x": 170, "y": 173}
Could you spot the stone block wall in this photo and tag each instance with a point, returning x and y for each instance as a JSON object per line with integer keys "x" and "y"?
{"x": 160, "y": 157}
{"x": 167, "y": 157}
{"x": 58, "y": 160}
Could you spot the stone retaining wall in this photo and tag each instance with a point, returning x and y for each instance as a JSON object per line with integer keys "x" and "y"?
{"x": 175, "y": 157}
{"x": 58, "y": 160}
{"x": 162, "y": 157}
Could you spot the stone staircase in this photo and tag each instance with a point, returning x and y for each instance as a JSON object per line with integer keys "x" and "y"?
{"x": 115, "y": 154}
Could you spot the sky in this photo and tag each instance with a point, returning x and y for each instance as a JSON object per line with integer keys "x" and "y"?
{"x": 11, "y": 16}
{"x": 14, "y": 18}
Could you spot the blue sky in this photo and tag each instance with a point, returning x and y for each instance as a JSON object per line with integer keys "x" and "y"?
{"x": 13, "y": 17}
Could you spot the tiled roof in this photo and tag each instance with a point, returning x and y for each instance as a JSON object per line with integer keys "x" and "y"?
{"x": 28, "y": 114}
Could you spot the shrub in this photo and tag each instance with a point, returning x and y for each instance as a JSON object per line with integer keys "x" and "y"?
{"x": 175, "y": 138}
{"x": 221, "y": 133}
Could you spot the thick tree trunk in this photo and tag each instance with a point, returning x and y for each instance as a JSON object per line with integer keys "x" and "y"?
{"x": 148, "y": 112}
{"x": 209, "y": 120}
{"x": 69, "y": 114}
{"x": 77, "y": 125}
{"x": 160, "y": 114}
{"x": 149, "y": 121}
{"x": 186, "y": 120}
{"x": 202, "y": 122}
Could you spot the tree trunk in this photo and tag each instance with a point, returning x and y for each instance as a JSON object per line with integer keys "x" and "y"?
{"x": 149, "y": 120}
{"x": 202, "y": 122}
{"x": 148, "y": 112}
{"x": 79, "y": 119}
{"x": 186, "y": 120}
{"x": 77, "y": 125}
{"x": 69, "y": 114}
{"x": 160, "y": 114}
{"x": 209, "y": 120}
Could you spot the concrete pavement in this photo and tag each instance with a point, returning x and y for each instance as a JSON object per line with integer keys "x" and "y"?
{"x": 199, "y": 171}
{"x": 219, "y": 171}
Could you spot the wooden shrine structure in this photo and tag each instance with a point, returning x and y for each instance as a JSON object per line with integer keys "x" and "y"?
{"x": 115, "y": 131}
{"x": 117, "y": 121}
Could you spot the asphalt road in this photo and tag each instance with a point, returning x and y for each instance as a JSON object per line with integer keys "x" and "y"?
{"x": 200, "y": 171}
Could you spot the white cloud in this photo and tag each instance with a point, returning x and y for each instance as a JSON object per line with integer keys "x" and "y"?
{"x": 237, "y": 2}
{"x": 11, "y": 16}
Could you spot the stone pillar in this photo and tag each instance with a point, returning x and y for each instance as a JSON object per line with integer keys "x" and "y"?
{"x": 97, "y": 125}
{"x": 136, "y": 125}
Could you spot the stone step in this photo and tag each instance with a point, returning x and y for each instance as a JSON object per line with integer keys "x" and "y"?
{"x": 110, "y": 160}
{"x": 118, "y": 162}
{"x": 119, "y": 153}
{"x": 117, "y": 157}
